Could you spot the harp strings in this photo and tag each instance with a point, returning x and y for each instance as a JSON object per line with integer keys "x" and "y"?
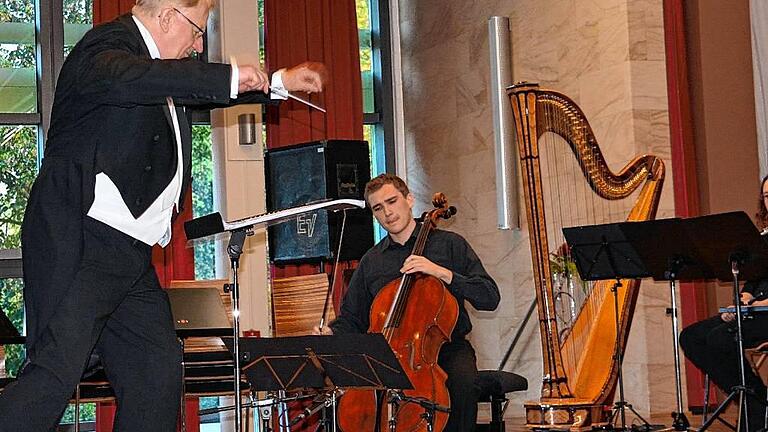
{"x": 570, "y": 201}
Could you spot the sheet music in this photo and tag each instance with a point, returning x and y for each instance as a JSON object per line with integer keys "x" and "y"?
{"x": 213, "y": 223}
{"x": 273, "y": 218}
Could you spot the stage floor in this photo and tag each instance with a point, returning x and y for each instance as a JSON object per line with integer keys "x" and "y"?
{"x": 518, "y": 424}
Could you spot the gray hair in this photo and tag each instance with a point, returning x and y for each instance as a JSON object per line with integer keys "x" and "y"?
{"x": 154, "y": 5}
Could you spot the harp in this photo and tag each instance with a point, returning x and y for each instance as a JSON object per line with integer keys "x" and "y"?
{"x": 567, "y": 182}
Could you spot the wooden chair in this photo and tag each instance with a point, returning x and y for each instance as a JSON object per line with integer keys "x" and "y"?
{"x": 758, "y": 359}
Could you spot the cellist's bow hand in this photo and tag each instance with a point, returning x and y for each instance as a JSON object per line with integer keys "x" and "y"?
{"x": 420, "y": 264}
{"x": 324, "y": 331}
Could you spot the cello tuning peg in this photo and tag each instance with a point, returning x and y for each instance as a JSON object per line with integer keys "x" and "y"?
{"x": 450, "y": 211}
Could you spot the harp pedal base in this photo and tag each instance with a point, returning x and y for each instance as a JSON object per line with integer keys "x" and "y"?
{"x": 566, "y": 415}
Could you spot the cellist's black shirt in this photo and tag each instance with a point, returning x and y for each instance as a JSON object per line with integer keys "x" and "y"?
{"x": 382, "y": 263}
{"x": 758, "y": 288}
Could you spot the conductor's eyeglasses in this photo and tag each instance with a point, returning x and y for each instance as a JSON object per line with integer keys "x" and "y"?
{"x": 199, "y": 33}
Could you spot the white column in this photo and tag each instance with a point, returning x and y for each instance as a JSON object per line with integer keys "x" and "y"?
{"x": 758, "y": 10}
{"x": 239, "y": 180}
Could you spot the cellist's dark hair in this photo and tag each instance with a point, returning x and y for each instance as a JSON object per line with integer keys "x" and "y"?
{"x": 380, "y": 180}
{"x": 762, "y": 212}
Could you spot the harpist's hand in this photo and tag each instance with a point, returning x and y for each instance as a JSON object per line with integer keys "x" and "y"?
{"x": 728, "y": 316}
{"x": 308, "y": 77}
{"x": 325, "y": 332}
{"x": 419, "y": 264}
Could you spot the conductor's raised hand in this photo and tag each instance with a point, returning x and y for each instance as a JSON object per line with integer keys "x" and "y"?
{"x": 308, "y": 77}
{"x": 252, "y": 79}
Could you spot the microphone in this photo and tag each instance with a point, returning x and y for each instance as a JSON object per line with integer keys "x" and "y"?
{"x": 764, "y": 231}
{"x": 312, "y": 409}
{"x": 308, "y": 411}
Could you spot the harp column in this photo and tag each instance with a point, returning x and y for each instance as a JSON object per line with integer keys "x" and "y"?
{"x": 499, "y": 35}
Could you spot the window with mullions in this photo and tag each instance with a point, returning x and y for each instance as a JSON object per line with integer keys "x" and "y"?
{"x": 202, "y": 197}
{"x": 18, "y": 85}
{"x": 373, "y": 127}
{"x": 378, "y": 129}
{"x": 18, "y": 168}
{"x": 78, "y": 19}
{"x": 29, "y": 31}
{"x": 20, "y": 121}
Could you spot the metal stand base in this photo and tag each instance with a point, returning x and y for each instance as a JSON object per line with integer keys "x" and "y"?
{"x": 620, "y": 407}
{"x": 738, "y": 394}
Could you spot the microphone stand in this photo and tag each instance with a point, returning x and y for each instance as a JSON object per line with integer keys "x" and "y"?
{"x": 429, "y": 406}
{"x": 679, "y": 420}
{"x": 327, "y": 399}
{"x": 239, "y": 230}
{"x": 741, "y": 391}
{"x": 235, "y": 250}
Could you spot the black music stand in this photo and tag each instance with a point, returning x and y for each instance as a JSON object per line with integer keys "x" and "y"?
{"x": 602, "y": 252}
{"x": 699, "y": 248}
{"x": 323, "y": 364}
{"x": 239, "y": 229}
{"x": 669, "y": 254}
{"x": 747, "y": 253}
{"x": 691, "y": 249}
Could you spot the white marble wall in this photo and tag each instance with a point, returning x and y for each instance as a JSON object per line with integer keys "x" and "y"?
{"x": 608, "y": 55}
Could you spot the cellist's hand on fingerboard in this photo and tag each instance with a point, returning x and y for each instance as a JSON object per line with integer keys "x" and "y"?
{"x": 420, "y": 264}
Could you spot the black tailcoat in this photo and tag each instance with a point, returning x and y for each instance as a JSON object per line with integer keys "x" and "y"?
{"x": 110, "y": 115}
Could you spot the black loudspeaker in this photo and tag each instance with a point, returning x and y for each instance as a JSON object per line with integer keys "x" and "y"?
{"x": 316, "y": 171}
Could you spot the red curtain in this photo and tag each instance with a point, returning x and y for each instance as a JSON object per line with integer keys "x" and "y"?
{"x": 323, "y": 31}
{"x": 693, "y": 299}
{"x": 176, "y": 261}
{"x": 107, "y": 10}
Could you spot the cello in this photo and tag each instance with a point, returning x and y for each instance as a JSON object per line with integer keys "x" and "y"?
{"x": 416, "y": 314}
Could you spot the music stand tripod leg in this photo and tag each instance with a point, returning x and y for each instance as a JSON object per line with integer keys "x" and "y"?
{"x": 621, "y": 406}
{"x": 679, "y": 420}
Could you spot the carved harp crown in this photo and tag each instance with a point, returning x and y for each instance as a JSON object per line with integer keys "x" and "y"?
{"x": 567, "y": 182}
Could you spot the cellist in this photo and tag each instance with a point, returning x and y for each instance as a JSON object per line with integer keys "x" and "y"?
{"x": 448, "y": 257}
